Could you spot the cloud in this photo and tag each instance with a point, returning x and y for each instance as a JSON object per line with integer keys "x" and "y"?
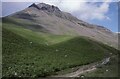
{"x": 91, "y": 11}
{"x": 58, "y": 0}
{"x": 83, "y": 9}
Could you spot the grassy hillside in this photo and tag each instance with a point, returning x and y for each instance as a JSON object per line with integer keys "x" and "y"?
{"x": 0, "y": 49}
{"x": 38, "y": 37}
{"x": 29, "y": 53}
{"x": 62, "y": 27}
{"x": 108, "y": 70}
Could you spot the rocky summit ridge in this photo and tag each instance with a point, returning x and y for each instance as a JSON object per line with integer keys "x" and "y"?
{"x": 43, "y": 6}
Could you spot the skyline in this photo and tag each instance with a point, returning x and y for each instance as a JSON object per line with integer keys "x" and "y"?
{"x": 102, "y": 13}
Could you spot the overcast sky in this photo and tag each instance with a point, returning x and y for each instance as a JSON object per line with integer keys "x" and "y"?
{"x": 104, "y": 12}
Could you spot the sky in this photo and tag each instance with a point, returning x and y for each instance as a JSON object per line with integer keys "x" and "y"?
{"x": 100, "y": 12}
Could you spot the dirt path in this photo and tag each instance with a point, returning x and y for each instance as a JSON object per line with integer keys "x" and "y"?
{"x": 78, "y": 72}
{"x": 86, "y": 68}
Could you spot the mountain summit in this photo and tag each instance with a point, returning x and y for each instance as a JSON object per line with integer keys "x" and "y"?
{"x": 50, "y": 19}
{"x": 43, "y": 6}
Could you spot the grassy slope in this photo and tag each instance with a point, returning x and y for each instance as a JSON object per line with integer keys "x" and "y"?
{"x": 41, "y": 38}
{"x": 0, "y": 48}
{"x": 38, "y": 59}
{"x": 112, "y": 68}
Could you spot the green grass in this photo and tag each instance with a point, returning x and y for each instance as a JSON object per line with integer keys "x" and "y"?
{"x": 0, "y": 49}
{"x": 37, "y": 59}
{"x": 38, "y": 37}
{"x": 112, "y": 68}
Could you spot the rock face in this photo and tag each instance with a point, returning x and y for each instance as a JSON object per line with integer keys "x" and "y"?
{"x": 51, "y": 19}
{"x": 43, "y": 6}
{"x": 51, "y": 9}
{"x": 35, "y": 6}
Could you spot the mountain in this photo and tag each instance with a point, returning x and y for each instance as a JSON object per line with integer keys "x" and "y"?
{"x": 42, "y": 40}
{"x": 50, "y": 19}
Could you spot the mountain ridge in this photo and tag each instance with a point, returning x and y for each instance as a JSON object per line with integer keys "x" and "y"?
{"x": 52, "y": 8}
{"x": 55, "y": 21}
